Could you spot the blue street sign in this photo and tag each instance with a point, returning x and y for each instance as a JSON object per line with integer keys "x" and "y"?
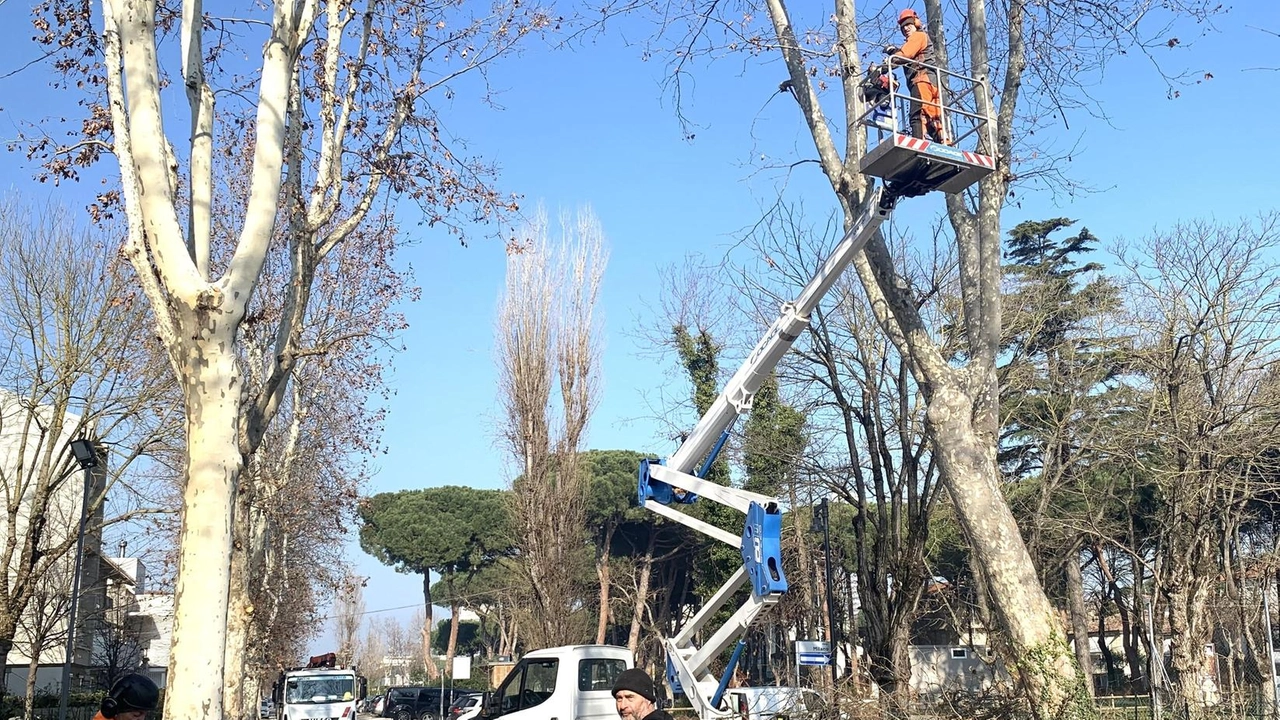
{"x": 813, "y": 652}
{"x": 820, "y": 659}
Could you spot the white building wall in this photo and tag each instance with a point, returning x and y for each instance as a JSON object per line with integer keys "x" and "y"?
{"x": 25, "y": 456}
{"x": 155, "y": 619}
{"x": 939, "y": 668}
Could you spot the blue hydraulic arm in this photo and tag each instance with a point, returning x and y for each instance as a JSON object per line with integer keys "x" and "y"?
{"x": 663, "y": 485}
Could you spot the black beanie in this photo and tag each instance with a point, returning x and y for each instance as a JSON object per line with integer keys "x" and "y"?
{"x": 638, "y": 682}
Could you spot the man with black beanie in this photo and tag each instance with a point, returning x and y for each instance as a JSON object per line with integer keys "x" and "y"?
{"x": 635, "y": 697}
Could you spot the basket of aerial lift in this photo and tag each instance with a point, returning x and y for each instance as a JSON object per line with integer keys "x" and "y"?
{"x": 911, "y": 165}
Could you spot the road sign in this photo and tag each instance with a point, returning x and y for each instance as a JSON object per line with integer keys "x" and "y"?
{"x": 461, "y": 667}
{"x": 813, "y": 652}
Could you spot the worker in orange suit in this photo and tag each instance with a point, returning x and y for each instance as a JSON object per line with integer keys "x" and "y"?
{"x": 926, "y": 112}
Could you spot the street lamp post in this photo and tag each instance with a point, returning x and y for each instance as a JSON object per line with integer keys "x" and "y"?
{"x": 88, "y": 459}
{"x": 821, "y": 517}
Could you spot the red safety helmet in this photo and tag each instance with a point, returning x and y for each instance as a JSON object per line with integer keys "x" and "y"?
{"x": 911, "y": 15}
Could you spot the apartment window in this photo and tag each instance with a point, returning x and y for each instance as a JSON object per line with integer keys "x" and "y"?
{"x": 959, "y": 653}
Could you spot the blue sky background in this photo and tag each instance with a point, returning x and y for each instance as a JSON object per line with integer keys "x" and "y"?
{"x": 593, "y": 126}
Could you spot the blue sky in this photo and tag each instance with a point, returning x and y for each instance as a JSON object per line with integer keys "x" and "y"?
{"x": 593, "y": 126}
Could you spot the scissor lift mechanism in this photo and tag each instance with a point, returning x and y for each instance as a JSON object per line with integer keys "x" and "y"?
{"x": 908, "y": 166}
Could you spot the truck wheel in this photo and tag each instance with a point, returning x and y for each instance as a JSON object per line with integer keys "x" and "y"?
{"x": 403, "y": 714}
{"x": 427, "y": 716}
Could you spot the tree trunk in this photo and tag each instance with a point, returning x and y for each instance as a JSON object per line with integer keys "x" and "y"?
{"x": 1147, "y": 608}
{"x": 1130, "y": 631}
{"x": 642, "y": 595}
{"x": 1080, "y": 617}
{"x": 1187, "y": 641}
{"x": 6, "y": 645}
{"x": 1039, "y": 657}
{"x": 29, "y": 702}
{"x": 1108, "y": 657}
{"x": 852, "y": 640}
{"x": 894, "y": 671}
{"x": 429, "y": 662}
{"x": 252, "y": 689}
{"x": 504, "y": 637}
{"x": 1130, "y": 638}
{"x": 263, "y": 562}
{"x": 212, "y": 394}
{"x": 602, "y": 571}
{"x": 239, "y": 614}
{"x": 455, "y": 616}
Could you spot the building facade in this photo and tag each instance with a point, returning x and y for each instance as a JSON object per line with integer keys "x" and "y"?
{"x": 111, "y": 605}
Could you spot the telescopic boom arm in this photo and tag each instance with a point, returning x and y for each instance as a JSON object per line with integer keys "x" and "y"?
{"x": 675, "y": 482}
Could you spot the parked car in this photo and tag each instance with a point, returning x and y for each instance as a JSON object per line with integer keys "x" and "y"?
{"x": 267, "y": 708}
{"x": 419, "y": 703}
{"x": 466, "y": 707}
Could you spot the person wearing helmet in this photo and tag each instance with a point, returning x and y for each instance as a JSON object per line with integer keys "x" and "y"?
{"x": 130, "y": 698}
{"x": 926, "y": 111}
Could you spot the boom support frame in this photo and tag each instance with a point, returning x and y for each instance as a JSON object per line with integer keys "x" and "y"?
{"x": 664, "y": 485}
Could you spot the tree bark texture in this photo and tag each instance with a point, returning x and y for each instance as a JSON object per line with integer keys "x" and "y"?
{"x": 642, "y": 596}
{"x": 892, "y": 669}
{"x": 602, "y": 572}
{"x": 1187, "y": 628}
{"x": 239, "y": 614}
{"x": 1080, "y": 617}
{"x": 455, "y": 617}
{"x": 28, "y": 702}
{"x": 196, "y": 661}
{"x": 1042, "y": 663}
{"x": 429, "y": 662}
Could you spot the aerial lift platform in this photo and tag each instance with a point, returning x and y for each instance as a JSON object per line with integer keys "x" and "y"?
{"x": 908, "y": 167}
{"x": 912, "y": 166}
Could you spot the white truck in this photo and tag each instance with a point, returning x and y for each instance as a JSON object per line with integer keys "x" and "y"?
{"x": 573, "y": 682}
{"x": 320, "y": 690}
{"x": 774, "y": 703}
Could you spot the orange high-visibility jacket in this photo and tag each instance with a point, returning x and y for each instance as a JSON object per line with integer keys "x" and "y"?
{"x": 917, "y": 48}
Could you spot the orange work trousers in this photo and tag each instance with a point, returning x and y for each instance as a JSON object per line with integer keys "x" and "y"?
{"x": 926, "y": 112}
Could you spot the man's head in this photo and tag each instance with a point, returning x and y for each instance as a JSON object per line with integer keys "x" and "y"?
{"x": 908, "y": 21}
{"x": 634, "y": 694}
{"x": 131, "y": 698}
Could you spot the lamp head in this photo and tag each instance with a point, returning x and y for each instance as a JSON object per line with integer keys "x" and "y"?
{"x": 84, "y": 452}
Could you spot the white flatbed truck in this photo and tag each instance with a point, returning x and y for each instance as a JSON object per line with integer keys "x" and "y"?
{"x": 312, "y": 693}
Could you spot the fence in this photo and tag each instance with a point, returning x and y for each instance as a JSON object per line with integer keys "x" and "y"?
{"x": 85, "y": 712}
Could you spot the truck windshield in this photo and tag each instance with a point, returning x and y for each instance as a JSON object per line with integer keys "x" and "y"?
{"x": 311, "y": 689}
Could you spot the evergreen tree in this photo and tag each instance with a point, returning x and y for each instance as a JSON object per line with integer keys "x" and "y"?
{"x": 773, "y": 440}
{"x": 1058, "y": 358}
{"x": 453, "y": 531}
{"x": 1055, "y": 393}
{"x": 700, "y": 357}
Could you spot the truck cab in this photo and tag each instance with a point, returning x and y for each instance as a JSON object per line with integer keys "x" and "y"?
{"x": 573, "y": 682}
{"x": 329, "y": 692}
